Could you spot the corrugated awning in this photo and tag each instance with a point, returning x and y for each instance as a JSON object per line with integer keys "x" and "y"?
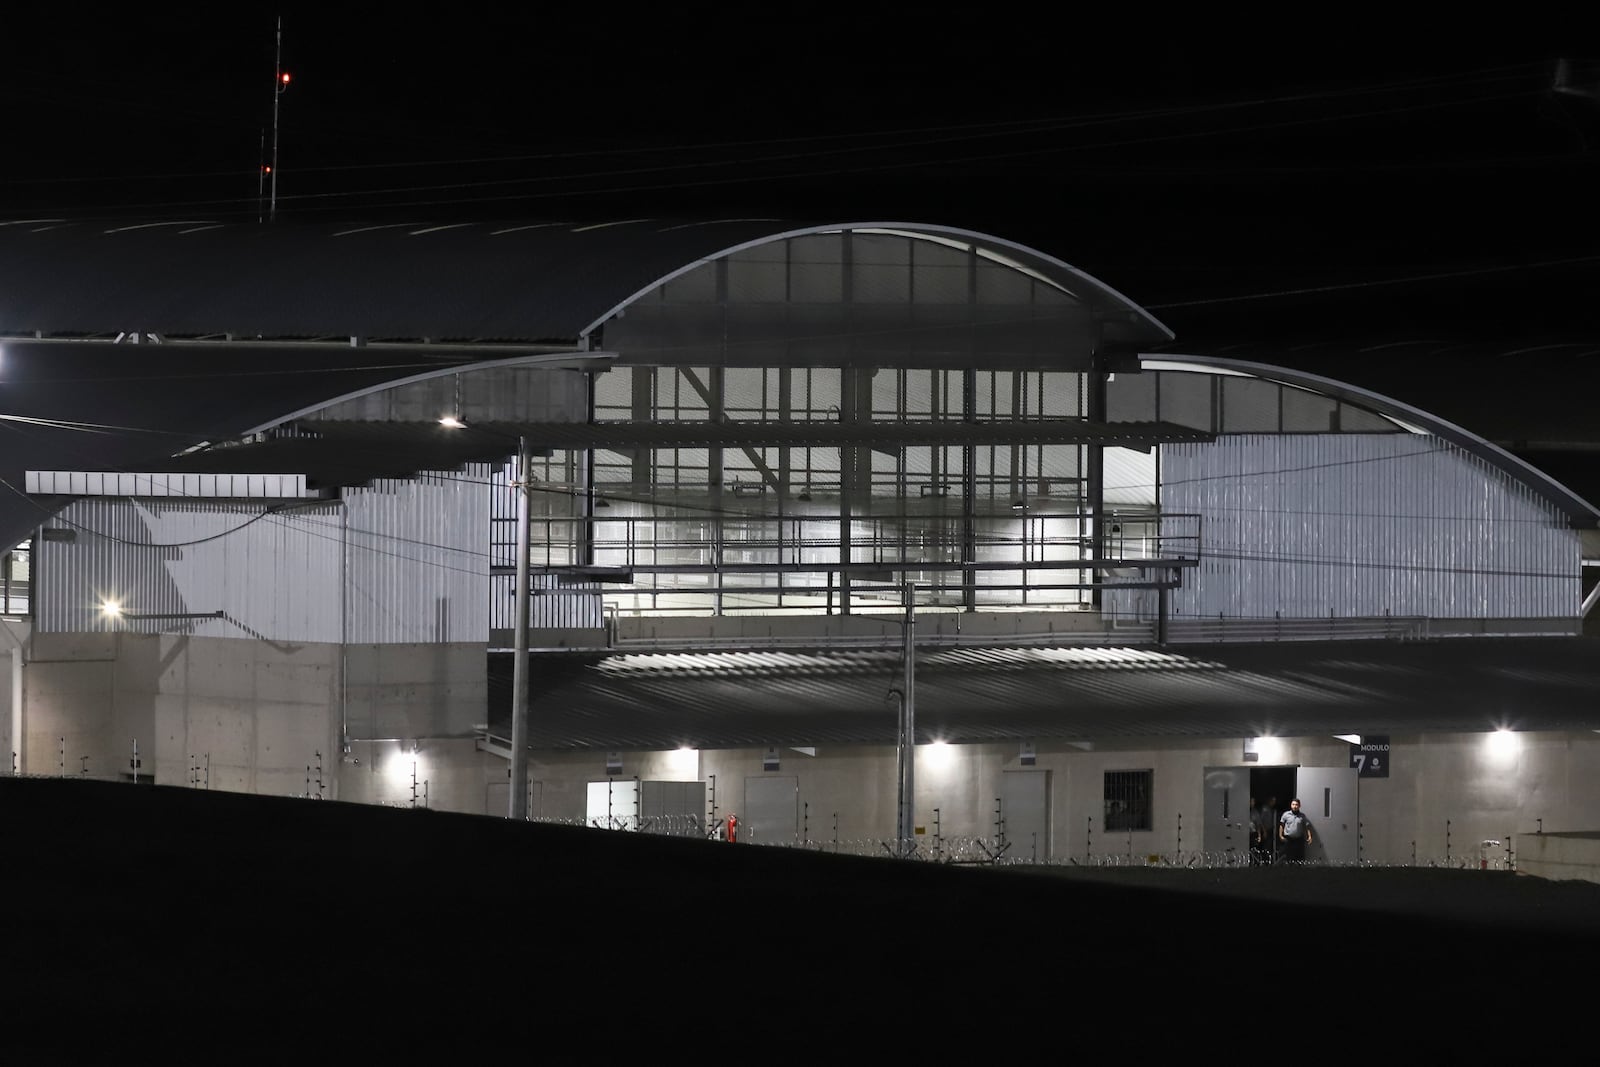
{"x": 1105, "y": 694}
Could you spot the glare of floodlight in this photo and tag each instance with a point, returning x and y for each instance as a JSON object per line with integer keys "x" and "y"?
{"x": 683, "y": 763}
{"x": 937, "y": 755}
{"x": 111, "y": 609}
{"x": 453, "y": 422}
{"x": 405, "y": 765}
{"x": 1503, "y": 743}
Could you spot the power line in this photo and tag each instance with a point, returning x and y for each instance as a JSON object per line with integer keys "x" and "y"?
{"x": 990, "y": 128}
{"x": 318, "y": 201}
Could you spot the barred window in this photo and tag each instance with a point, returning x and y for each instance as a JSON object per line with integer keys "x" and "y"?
{"x": 1128, "y": 800}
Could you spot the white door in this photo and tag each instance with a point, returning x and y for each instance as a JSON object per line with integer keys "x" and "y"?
{"x": 1025, "y": 806}
{"x": 1328, "y": 797}
{"x": 1226, "y": 837}
{"x": 613, "y": 804}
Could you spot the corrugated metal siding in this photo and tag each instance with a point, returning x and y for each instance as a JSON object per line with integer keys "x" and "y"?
{"x": 272, "y": 570}
{"x": 1364, "y": 525}
{"x": 552, "y": 603}
{"x": 418, "y": 564}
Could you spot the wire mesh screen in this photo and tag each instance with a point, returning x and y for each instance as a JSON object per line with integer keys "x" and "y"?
{"x": 1127, "y": 800}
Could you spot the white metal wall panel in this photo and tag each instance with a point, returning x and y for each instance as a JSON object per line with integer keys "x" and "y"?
{"x": 1354, "y": 525}
{"x": 273, "y": 571}
{"x": 401, "y": 561}
{"x": 120, "y": 483}
{"x": 552, "y": 603}
{"x": 418, "y": 564}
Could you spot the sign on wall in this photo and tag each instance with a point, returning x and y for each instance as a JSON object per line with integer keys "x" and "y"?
{"x": 1370, "y": 757}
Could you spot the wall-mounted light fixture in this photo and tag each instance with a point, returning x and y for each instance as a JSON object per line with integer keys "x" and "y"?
{"x": 112, "y": 609}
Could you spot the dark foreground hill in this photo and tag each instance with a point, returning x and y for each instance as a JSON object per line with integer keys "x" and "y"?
{"x": 147, "y": 917}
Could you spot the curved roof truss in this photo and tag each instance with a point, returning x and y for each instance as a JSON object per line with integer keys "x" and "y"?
{"x": 1138, "y": 324}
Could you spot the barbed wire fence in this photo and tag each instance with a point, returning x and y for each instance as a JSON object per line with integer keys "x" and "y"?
{"x": 1446, "y": 849}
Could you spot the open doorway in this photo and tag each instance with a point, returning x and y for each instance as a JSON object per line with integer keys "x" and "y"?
{"x": 1272, "y": 788}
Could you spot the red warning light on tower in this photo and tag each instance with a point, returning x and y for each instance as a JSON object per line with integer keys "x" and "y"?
{"x": 284, "y": 77}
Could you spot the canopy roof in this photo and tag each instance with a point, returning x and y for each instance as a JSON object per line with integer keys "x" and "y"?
{"x": 993, "y": 694}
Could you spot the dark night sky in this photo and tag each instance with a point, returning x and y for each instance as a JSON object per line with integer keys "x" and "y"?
{"x": 1248, "y": 192}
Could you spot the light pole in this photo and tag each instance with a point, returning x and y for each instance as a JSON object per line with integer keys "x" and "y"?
{"x": 522, "y": 479}
{"x": 280, "y": 82}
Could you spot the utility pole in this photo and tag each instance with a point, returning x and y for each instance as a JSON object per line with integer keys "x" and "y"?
{"x": 261, "y": 178}
{"x": 905, "y": 830}
{"x": 280, "y": 82}
{"x": 519, "y": 670}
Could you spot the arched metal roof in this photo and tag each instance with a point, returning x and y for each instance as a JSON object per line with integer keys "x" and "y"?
{"x": 1580, "y": 511}
{"x": 471, "y": 282}
{"x": 1122, "y": 319}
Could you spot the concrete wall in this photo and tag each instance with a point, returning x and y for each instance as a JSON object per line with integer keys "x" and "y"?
{"x": 1447, "y": 794}
{"x": 1478, "y": 787}
{"x": 1560, "y": 856}
{"x": 444, "y": 774}
{"x": 415, "y": 691}
{"x": 253, "y": 716}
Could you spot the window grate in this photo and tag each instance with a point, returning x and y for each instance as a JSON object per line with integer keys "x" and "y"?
{"x": 1127, "y": 798}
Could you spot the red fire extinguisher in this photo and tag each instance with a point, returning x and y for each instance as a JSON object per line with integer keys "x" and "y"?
{"x": 733, "y": 827}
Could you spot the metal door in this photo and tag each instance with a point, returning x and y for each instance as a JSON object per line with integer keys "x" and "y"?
{"x": 1328, "y": 796}
{"x": 497, "y": 798}
{"x": 673, "y": 808}
{"x": 1025, "y": 806}
{"x": 771, "y": 814}
{"x": 1226, "y": 837}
